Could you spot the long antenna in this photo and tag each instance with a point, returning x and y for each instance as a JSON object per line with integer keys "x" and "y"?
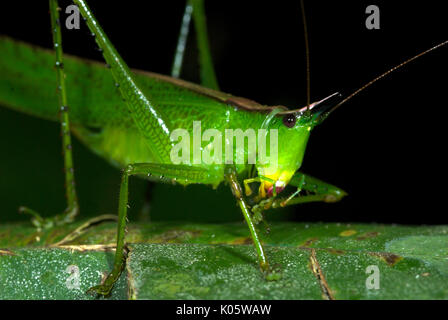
{"x": 307, "y": 52}
{"x": 386, "y": 73}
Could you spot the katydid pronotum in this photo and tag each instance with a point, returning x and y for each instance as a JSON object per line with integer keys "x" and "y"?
{"x": 157, "y": 106}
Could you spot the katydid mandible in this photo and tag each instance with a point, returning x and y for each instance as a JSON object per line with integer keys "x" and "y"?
{"x": 133, "y": 131}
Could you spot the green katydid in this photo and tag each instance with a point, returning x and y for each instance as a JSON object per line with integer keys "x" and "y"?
{"x": 135, "y": 134}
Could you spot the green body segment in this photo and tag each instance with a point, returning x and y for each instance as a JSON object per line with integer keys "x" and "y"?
{"x": 99, "y": 115}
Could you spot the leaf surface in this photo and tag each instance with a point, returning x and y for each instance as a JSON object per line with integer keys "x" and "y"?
{"x": 217, "y": 261}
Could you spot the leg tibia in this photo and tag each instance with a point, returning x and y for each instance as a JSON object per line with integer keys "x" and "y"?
{"x": 72, "y": 201}
{"x": 208, "y": 77}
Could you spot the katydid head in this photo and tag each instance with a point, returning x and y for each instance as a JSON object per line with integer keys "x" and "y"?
{"x": 294, "y": 128}
{"x": 291, "y": 132}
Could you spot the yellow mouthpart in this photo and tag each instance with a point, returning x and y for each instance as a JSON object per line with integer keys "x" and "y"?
{"x": 280, "y": 179}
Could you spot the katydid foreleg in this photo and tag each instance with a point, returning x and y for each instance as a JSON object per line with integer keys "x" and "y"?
{"x": 208, "y": 76}
{"x": 72, "y": 201}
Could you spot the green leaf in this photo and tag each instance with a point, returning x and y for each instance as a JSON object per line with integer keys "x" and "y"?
{"x": 48, "y": 274}
{"x": 217, "y": 261}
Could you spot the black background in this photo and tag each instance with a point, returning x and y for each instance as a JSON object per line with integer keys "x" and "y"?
{"x": 385, "y": 147}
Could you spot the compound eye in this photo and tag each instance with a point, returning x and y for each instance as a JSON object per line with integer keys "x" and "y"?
{"x": 289, "y": 120}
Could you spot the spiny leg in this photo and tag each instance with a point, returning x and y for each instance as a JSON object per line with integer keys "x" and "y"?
{"x": 269, "y": 273}
{"x": 207, "y": 72}
{"x": 72, "y": 201}
{"x": 149, "y": 118}
{"x": 208, "y": 76}
{"x": 181, "y": 173}
{"x": 182, "y": 40}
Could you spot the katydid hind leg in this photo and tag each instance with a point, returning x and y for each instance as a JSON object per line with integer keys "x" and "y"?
{"x": 72, "y": 201}
{"x": 196, "y": 9}
{"x": 148, "y": 117}
{"x": 182, "y": 40}
{"x": 208, "y": 76}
